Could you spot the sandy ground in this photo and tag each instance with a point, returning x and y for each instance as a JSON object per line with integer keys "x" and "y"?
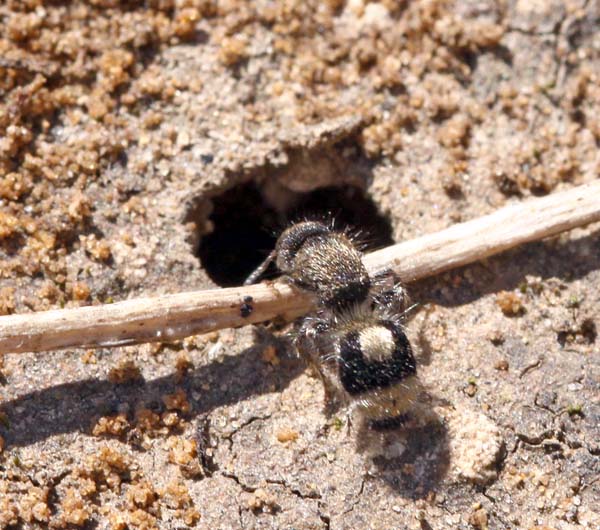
{"x": 156, "y": 149}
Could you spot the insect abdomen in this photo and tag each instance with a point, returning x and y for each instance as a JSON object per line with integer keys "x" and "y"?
{"x": 375, "y": 362}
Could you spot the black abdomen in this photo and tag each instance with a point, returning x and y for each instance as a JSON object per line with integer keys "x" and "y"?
{"x": 359, "y": 374}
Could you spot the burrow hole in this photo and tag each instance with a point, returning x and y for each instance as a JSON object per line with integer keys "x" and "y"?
{"x": 245, "y": 225}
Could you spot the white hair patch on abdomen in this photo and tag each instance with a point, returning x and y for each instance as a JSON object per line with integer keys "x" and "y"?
{"x": 376, "y": 343}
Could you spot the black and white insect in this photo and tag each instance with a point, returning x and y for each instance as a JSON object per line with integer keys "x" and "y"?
{"x": 355, "y": 339}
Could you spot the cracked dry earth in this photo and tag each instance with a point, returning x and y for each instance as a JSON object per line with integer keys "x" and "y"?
{"x": 120, "y": 128}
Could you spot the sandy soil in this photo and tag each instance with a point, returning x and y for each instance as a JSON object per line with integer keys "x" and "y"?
{"x": 147, "y": 150}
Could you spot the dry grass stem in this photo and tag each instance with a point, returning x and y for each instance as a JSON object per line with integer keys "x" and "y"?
{"x": 170, "y": 317}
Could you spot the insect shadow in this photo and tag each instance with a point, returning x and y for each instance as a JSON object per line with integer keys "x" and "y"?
{"x": 413, "y": 459}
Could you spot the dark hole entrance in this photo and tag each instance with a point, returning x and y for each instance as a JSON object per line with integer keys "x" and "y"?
{"x": 243, "y": 235}
{"x": 246, "y": 227}
{"x": 349, "y": 207}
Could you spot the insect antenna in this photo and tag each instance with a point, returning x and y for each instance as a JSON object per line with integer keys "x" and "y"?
{"x": 260, "y": 270}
